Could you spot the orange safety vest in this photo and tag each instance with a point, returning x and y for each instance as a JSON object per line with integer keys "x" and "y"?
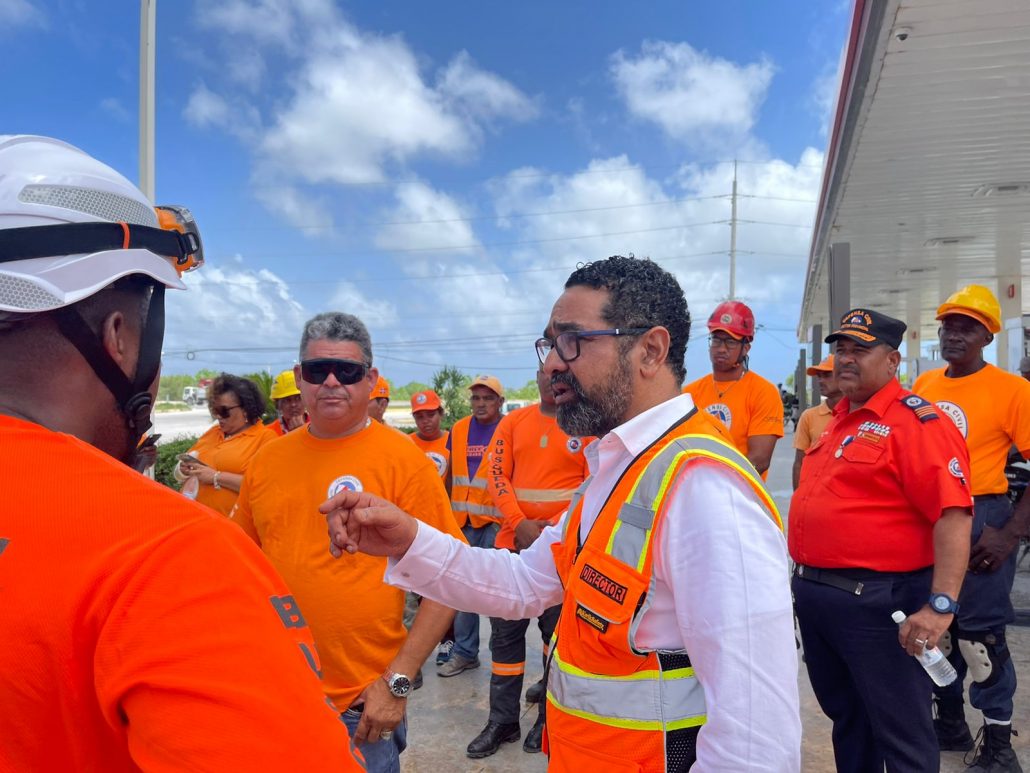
{"x": 470, "y": 499}
{"x": 612, "y": 705}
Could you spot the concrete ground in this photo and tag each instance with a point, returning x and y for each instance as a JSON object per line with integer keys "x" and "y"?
{"x": 448, "y": 713}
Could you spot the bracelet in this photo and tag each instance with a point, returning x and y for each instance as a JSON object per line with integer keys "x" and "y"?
{"x": 214, "y": 482}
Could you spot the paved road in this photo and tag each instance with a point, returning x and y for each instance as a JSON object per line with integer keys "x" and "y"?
{"x": 448, "y": 713}
{"x": 177, "y": 424}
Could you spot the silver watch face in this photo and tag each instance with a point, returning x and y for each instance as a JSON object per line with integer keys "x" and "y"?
{"x": 941, "y": 603}
{"x": 400, "y": 685}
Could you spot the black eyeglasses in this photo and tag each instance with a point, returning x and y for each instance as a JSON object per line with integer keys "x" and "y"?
{"x": 718, "y": 342}
{"x": 223, "y": 411}
{"x": 345, "y": 371}
{"x": 567, "y": 344}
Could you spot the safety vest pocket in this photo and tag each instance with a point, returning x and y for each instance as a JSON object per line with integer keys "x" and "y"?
{"x": 603, "y": 594}
{"x": 567, "y": 756}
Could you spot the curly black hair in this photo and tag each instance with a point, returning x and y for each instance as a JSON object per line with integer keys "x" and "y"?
{"x": 251, "y": 398}
{"x": 641, "y": 294}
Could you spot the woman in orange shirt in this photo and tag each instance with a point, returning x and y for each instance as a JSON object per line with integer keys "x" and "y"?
{"x": 225, "y": 450}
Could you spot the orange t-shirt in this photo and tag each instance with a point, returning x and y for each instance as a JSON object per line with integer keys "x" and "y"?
{"x": 532, "y": 470}
{"x": 991, "y": 408}
{"x": 437, "y": 451}
{"x": 139, "y": 631}
{"x": 811, "y": 424}
{"x": 228, "y": 454}
{"x": 748, "y": 407}
{"x": 356, "y": 619}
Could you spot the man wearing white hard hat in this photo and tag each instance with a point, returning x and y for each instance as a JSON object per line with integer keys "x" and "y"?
{"x": 136, "y": 631}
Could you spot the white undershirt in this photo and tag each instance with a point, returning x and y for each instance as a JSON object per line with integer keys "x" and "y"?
{"x": 722, "y": 594}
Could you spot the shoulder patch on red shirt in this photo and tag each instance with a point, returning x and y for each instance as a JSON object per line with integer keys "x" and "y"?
{"x": 921, "y": 408}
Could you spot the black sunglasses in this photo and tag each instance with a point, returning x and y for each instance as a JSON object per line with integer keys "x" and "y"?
{"x": 345, "y": 371}
{"x": 223, "y": 411}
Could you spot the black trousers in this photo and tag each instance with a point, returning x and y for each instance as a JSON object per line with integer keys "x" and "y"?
{"x": 508, "y": 652}
{"x": 877, "y": 695}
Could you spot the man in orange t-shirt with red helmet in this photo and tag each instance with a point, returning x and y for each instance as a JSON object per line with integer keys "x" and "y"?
{"x": 746, "y": 403}
{"x": 991, "y": 408}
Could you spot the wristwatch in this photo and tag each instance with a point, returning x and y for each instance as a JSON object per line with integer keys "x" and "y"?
{"x": 943, "y": 604}
{"x": 399, "y": 684}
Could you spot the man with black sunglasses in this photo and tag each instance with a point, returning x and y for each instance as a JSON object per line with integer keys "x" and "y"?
{"x": 676, "y": 640}
{"x": 368, "y": 660}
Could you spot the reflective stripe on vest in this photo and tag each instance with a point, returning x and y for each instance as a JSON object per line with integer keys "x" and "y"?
{"x": 544, "y": 494}
{"x": 472, "y": 508}
{"x": 676, "y": 698}
{"x": 461, "y": 480}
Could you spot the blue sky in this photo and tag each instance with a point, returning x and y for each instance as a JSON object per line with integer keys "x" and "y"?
{"x": 439, "y": 168}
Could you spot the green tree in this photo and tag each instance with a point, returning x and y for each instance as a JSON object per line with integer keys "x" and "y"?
{"x": 264, "y": 382}
{"x": 451, "y": 384}
{"x": 405, "y": 392}
{"x": 170, "y": 387}
{"x": 528, "y": 392}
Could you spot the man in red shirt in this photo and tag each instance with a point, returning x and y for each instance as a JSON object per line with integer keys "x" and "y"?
{"x": 880, "y": 522}
{"x": 138, "y": 631}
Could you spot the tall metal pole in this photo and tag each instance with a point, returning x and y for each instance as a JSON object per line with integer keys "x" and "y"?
{"x": 733, "y": 235}
{"x": 147, "y": 45}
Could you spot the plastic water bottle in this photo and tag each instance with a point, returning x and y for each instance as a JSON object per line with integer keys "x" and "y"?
{"x": 932, "y": 660}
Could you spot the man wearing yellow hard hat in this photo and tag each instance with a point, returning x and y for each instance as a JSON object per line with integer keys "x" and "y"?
{"x": 288, "y": 404}
{"x": 991, "y": 408}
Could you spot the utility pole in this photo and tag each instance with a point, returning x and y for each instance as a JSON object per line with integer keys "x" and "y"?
{"x": 147, "y": 45}
{"x": 733, "y": 235}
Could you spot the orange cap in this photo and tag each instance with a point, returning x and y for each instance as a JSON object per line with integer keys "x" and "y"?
{"x": 826, "y": 366}
{"x": 381, "y": 389}
{"x": 426, "y": 400}
{"x": 490, "y": 382}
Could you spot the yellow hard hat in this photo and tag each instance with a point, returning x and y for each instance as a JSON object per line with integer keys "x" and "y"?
{"x": 285, "y": 385}
{"x": 974, "y": 301}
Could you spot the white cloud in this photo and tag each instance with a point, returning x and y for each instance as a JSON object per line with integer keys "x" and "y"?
{"x": 350, "y": 299}
{"x": 354, "y": 105}
{"x": 233, "y": 308}
{"x": 425, "y": 217}
{"x": 823, "y": 97}
{"x": 693, "y": 96}
{"x": 19, "y": 13}
{"x": 114, "y": 108}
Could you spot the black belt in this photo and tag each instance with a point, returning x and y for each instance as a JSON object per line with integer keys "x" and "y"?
{"x": 824, "y": 577}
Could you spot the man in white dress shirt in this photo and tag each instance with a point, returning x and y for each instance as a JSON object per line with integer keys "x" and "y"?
{"x": 676, "y": 642}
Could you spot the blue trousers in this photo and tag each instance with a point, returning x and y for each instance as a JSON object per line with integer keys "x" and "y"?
{"x": 876, "y": 694}
{"x": 383, "y": 756}
{"x": 985, "y": 607}
{"x": 466, "y": 624}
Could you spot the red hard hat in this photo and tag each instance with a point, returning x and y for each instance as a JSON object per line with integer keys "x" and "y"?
{"x": 734, "y": 318}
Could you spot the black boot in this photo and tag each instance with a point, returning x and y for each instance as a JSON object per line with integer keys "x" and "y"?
{"x": 535, "y": 737}
{"x": 536, "y": 692}
{"x": 949, "y": 723}
{"x": 490, "y": 740}
{"x": 995, "y": 754}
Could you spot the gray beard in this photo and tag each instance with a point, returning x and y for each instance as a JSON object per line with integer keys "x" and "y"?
{"x": 600, "y": 414}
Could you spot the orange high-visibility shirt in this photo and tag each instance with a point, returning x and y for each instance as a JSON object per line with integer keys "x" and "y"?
{"x": 991, "y": 408}
{"x": 139, "y": 631}
{"x": 437, "y": 451}
{"x": 533, "y": 469}
{"x": 747, "y": 407}
{"x": 356, "y": 619}
{"x": 228, "y": 454}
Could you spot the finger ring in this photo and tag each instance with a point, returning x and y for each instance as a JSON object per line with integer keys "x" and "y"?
{"x": 921, "y": 641}
{"x": 987, "y": 561}
{"x": 386, "y": 735}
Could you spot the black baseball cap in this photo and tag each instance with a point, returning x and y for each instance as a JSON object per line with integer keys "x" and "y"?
{"x": 869, "y": 327}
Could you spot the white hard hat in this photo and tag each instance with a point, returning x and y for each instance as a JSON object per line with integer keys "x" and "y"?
{"x": 46, "y": 182}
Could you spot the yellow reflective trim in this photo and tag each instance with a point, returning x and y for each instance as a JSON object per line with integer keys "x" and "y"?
{"x": 544, "y": 494}
{"x": 757, "y": 484}
{"x": 652, "y": 674}
{"x": 631, "y": 724}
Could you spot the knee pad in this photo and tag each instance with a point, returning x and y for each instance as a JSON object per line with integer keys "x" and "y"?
{"x": 944, "y": 643}
{"x": 985, "y": 653}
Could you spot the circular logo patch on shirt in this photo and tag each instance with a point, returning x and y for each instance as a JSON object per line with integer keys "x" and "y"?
{"x": 439, "y": 460}
{"x": 955, "y": 468}
{"x": 722, "y": 412}
{"x": 956, "y": 414}
{"x": 573, "y": 444}
{"x": 344, "y": 483}
{"x": 914, "y": 401}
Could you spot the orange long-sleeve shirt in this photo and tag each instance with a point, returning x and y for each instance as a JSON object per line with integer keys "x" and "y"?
{"x": 533, "y": 470}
